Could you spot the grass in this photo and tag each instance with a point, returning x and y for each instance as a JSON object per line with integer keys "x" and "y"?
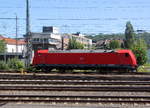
{"x": 144, "y": 68}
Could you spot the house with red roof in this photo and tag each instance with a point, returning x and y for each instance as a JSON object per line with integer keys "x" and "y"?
{"x": 13, "y": 45}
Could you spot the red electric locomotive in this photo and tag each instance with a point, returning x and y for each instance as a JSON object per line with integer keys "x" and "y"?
{"x": 85, "y": 59}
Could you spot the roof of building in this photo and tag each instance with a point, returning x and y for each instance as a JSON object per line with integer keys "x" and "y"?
{"x": 80, "y": 36}
{"x": 2, "y": 37}
{"x": 11, "y": 41}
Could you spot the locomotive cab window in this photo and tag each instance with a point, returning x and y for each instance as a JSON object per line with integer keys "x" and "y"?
{"x": 126, "y": 55}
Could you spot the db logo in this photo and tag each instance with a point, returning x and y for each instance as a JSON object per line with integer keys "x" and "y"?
{"x": 81, "y": 58}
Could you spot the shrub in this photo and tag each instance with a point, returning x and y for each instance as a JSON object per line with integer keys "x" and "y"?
{"x": 15, "y": 64}
{"x": 31, "y": 69}
{"x": 140, "y": 51}
{"x": 3, "y": 65}
{"x": 2, "y": 46}
{"x": 114, "y": 44}
{"x": 74, "y": 44}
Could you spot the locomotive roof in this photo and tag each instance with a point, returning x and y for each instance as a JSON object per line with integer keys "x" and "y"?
{"x": 80, "y": 51}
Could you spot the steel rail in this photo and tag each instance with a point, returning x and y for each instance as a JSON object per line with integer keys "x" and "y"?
{"x": 76, "y": 96}
{"x": 77, "y": 88}
{"x": 74, "y": 99}
{"x": 75, "y": 82}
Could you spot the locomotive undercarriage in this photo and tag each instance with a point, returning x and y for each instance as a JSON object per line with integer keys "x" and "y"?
{"x": 97, "y": 67}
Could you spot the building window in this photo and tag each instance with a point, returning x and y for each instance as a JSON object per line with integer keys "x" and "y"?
{"x": 37, "y": 39}
{"x": 41, "y": 40}
{"x": 12, "y": 50}
{"x": 45, "y": 40}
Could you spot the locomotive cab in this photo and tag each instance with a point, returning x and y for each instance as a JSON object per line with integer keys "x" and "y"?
{"x": 128, "y": 58}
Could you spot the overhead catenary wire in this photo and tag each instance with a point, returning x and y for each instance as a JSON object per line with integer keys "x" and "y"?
{"x": 71, "y": 26}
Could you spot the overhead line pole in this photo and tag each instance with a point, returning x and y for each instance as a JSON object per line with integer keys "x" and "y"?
{"x": 27, "y": 17}
{"x": 28, "y": 36}
{"x": 16, "y": 35}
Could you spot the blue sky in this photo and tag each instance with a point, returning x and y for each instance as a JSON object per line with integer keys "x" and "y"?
{"x": 85, "y": 16}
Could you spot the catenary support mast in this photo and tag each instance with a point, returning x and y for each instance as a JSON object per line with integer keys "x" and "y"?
{"x": 17, "y": 35}
{"x": 28, "y": 36}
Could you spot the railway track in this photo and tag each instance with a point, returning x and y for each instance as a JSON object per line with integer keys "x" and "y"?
{"x": 76, "y": 77}
{"x": 75, "y": 72}
{"x": 77, "y": 88}
{"x": 75, "y": 99}
{"x": 74, "y": 82}
{"x": 133, "y": 83}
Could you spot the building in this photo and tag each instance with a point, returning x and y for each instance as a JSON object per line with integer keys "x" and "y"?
{"x": 104, "y": 44}
{"x": 80, "y": 38}
{"x": 49, "y": 38}
{"x": 13, "y": 46}
{"x": 50, "y": 29}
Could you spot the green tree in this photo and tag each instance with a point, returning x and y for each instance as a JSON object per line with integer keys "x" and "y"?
{"x": 73, "y": 44}
{"x": 129, "y": 35}
{"x": 140, "y": 51}
{"x": 114, "y": 44}
{"x": 2, "y": 46}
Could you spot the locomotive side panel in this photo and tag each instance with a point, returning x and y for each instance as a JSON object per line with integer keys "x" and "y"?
{"x": 81, "y": 58}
